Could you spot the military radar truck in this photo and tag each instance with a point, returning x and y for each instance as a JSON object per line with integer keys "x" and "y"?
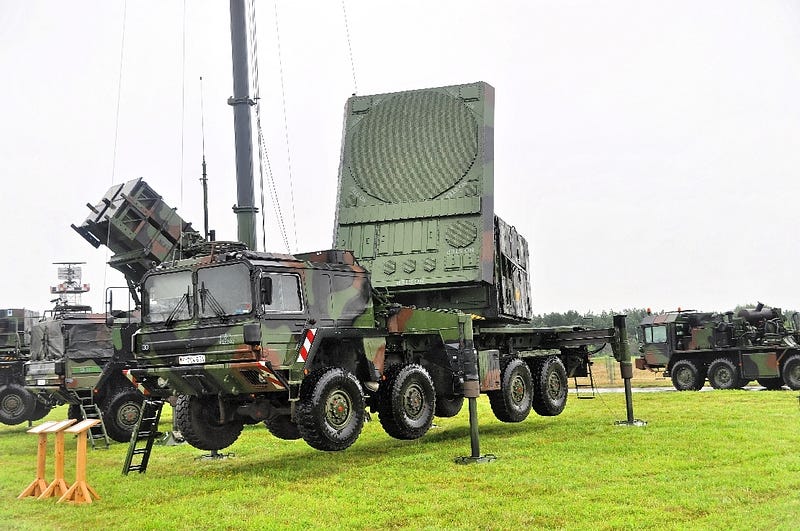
{"x": 425, "y": 279}
{"x": 17, "y": 404}
{"x": 729, "y": 351}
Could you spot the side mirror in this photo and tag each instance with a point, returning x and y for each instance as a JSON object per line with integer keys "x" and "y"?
{"x": 265, "y": 286}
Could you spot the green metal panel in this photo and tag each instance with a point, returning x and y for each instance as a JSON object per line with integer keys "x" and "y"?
{"x": 416, "y": 201}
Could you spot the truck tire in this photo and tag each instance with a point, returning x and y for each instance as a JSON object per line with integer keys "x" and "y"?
{"x": 686, "y": 376}
{"x": 791, "y": 372}
{"x": 197, "y": 418}
{"x": 330, "y": 412}
{"x": 448, "y": 405}
{"x": 512, "y": 403}
{"x": 40, "y": 411}
{"x": 121, "y": 414}
{"x": 772, "y": 384}
{"x": 282, "y": 427}
{"x": 406, "y": 401}
{"x": 549, "y": 387}
{"x": 723, "y": 374}
{"x": 17, "y": 404}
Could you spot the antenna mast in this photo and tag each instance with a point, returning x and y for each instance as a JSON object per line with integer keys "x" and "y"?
{"x": 240, "y": 101}
{"x": 204, "y": 178}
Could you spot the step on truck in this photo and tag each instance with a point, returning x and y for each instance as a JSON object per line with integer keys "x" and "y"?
{"x": 728, "y": 350}
{"x": 17, "y": 404}
{"x": 425, "y": 278}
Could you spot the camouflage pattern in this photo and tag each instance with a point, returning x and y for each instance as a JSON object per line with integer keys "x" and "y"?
{"x": 68, "y": 353}
{"x": 78, "y": 359}
{"x": 429, "y": 303}
{"x": 416, "y": 192}
{"x": 756, "y": 343}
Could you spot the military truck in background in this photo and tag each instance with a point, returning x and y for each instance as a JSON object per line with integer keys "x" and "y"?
{"x": 729, "y": 351}
{"x": 424, "y": 280}
{"x": 17, "y": 404}
{"x": 74, "y": 360}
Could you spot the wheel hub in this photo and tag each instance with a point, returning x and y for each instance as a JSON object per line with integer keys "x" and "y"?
{"x": 12, "y": 403}
{"x": 128, "y": 414}
{"x": 338, "y": 408}
{"x": 413, "y": 401}
{"x": 553, "y": 385}
{"x": 518, "y": 389}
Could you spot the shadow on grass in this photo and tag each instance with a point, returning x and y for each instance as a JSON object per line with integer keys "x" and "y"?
{"x": 374, "y": 450}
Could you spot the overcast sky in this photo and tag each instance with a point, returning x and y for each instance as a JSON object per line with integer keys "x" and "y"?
{"x": 648, "y": 150}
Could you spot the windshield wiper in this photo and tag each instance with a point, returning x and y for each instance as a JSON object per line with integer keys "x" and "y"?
{"x": 174, "y": 313}
{"x": 216, "y": 307}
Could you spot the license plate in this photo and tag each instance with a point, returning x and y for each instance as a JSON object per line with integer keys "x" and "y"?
{"x": 192, "y": 359}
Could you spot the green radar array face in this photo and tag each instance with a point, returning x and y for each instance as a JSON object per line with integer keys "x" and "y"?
{"x": 415, "y": 199}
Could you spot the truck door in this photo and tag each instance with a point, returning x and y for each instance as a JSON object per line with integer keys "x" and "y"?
{"x": 284, "y": 315}
{"x": 657, "y": 347}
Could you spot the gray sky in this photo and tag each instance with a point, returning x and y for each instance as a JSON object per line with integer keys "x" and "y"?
{"x": 648, "y": 150}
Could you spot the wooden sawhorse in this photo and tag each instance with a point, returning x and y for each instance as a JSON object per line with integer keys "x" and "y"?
{"x": 39, "y": 485}
{"x": 80, "y": 491}
{"x": 58, "y": 486}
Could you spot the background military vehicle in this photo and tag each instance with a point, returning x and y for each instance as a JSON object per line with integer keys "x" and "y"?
{"x": 17, "y": 404}
{"x": 728, "y": 350}
{"x": 431, "y": 279}
{"x": 74, "y": 359}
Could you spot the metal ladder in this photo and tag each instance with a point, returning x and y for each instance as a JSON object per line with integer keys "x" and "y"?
{"x": 145, "y": 432}
{"x": 90, "y": 410}
{"x": 590, "y": 385}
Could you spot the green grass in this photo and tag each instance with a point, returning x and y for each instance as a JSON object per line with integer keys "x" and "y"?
{"x": 711, "y": 460}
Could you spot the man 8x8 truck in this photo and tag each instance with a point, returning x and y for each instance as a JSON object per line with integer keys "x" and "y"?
{"x": 426, "y": 279}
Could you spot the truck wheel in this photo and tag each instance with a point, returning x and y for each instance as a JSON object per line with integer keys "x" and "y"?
{"x": 791, "y": 372}
{"x": 772, "y": 384}
{"x": 686, "y": 376}
{"x": 282, "y": 427}
{"x": 17, "y": 404}
{"x": 448, "y": 405}
{"x": 40, "y": 411}
{"x": 330, "y": 412}
{"x": 197, "y": 418}
{"x": 512, "y": 403}
{"x": 406, "y": 401}
{"x": 549, "y": 387}
{"x": 723, "y": 374}
{"x": 121, "y": 414}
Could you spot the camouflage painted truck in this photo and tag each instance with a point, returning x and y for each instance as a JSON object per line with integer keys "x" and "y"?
{"x": 691, "y": 346}
{"x": 77, "y": 356}
{"x": 17, "y": 404}
{"x": 425, "y": 279}
{"x": 74, "y": 360}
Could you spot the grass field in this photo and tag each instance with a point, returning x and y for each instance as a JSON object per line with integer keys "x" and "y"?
{"x": 711, "y": 460}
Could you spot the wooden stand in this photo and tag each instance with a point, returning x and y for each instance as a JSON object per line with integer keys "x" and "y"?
{"x": 39, "y": 485}
{"x": 80, "y": 491}
{"x": 58, "y": 486}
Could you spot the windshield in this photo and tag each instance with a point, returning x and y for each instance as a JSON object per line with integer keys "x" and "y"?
{"x": 168, "y": 297}
{"x": 224, "y": 290}
{"x": 655, "y": 334}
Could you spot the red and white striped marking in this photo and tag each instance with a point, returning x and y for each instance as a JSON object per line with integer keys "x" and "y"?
{"x": 303, "y": 355}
